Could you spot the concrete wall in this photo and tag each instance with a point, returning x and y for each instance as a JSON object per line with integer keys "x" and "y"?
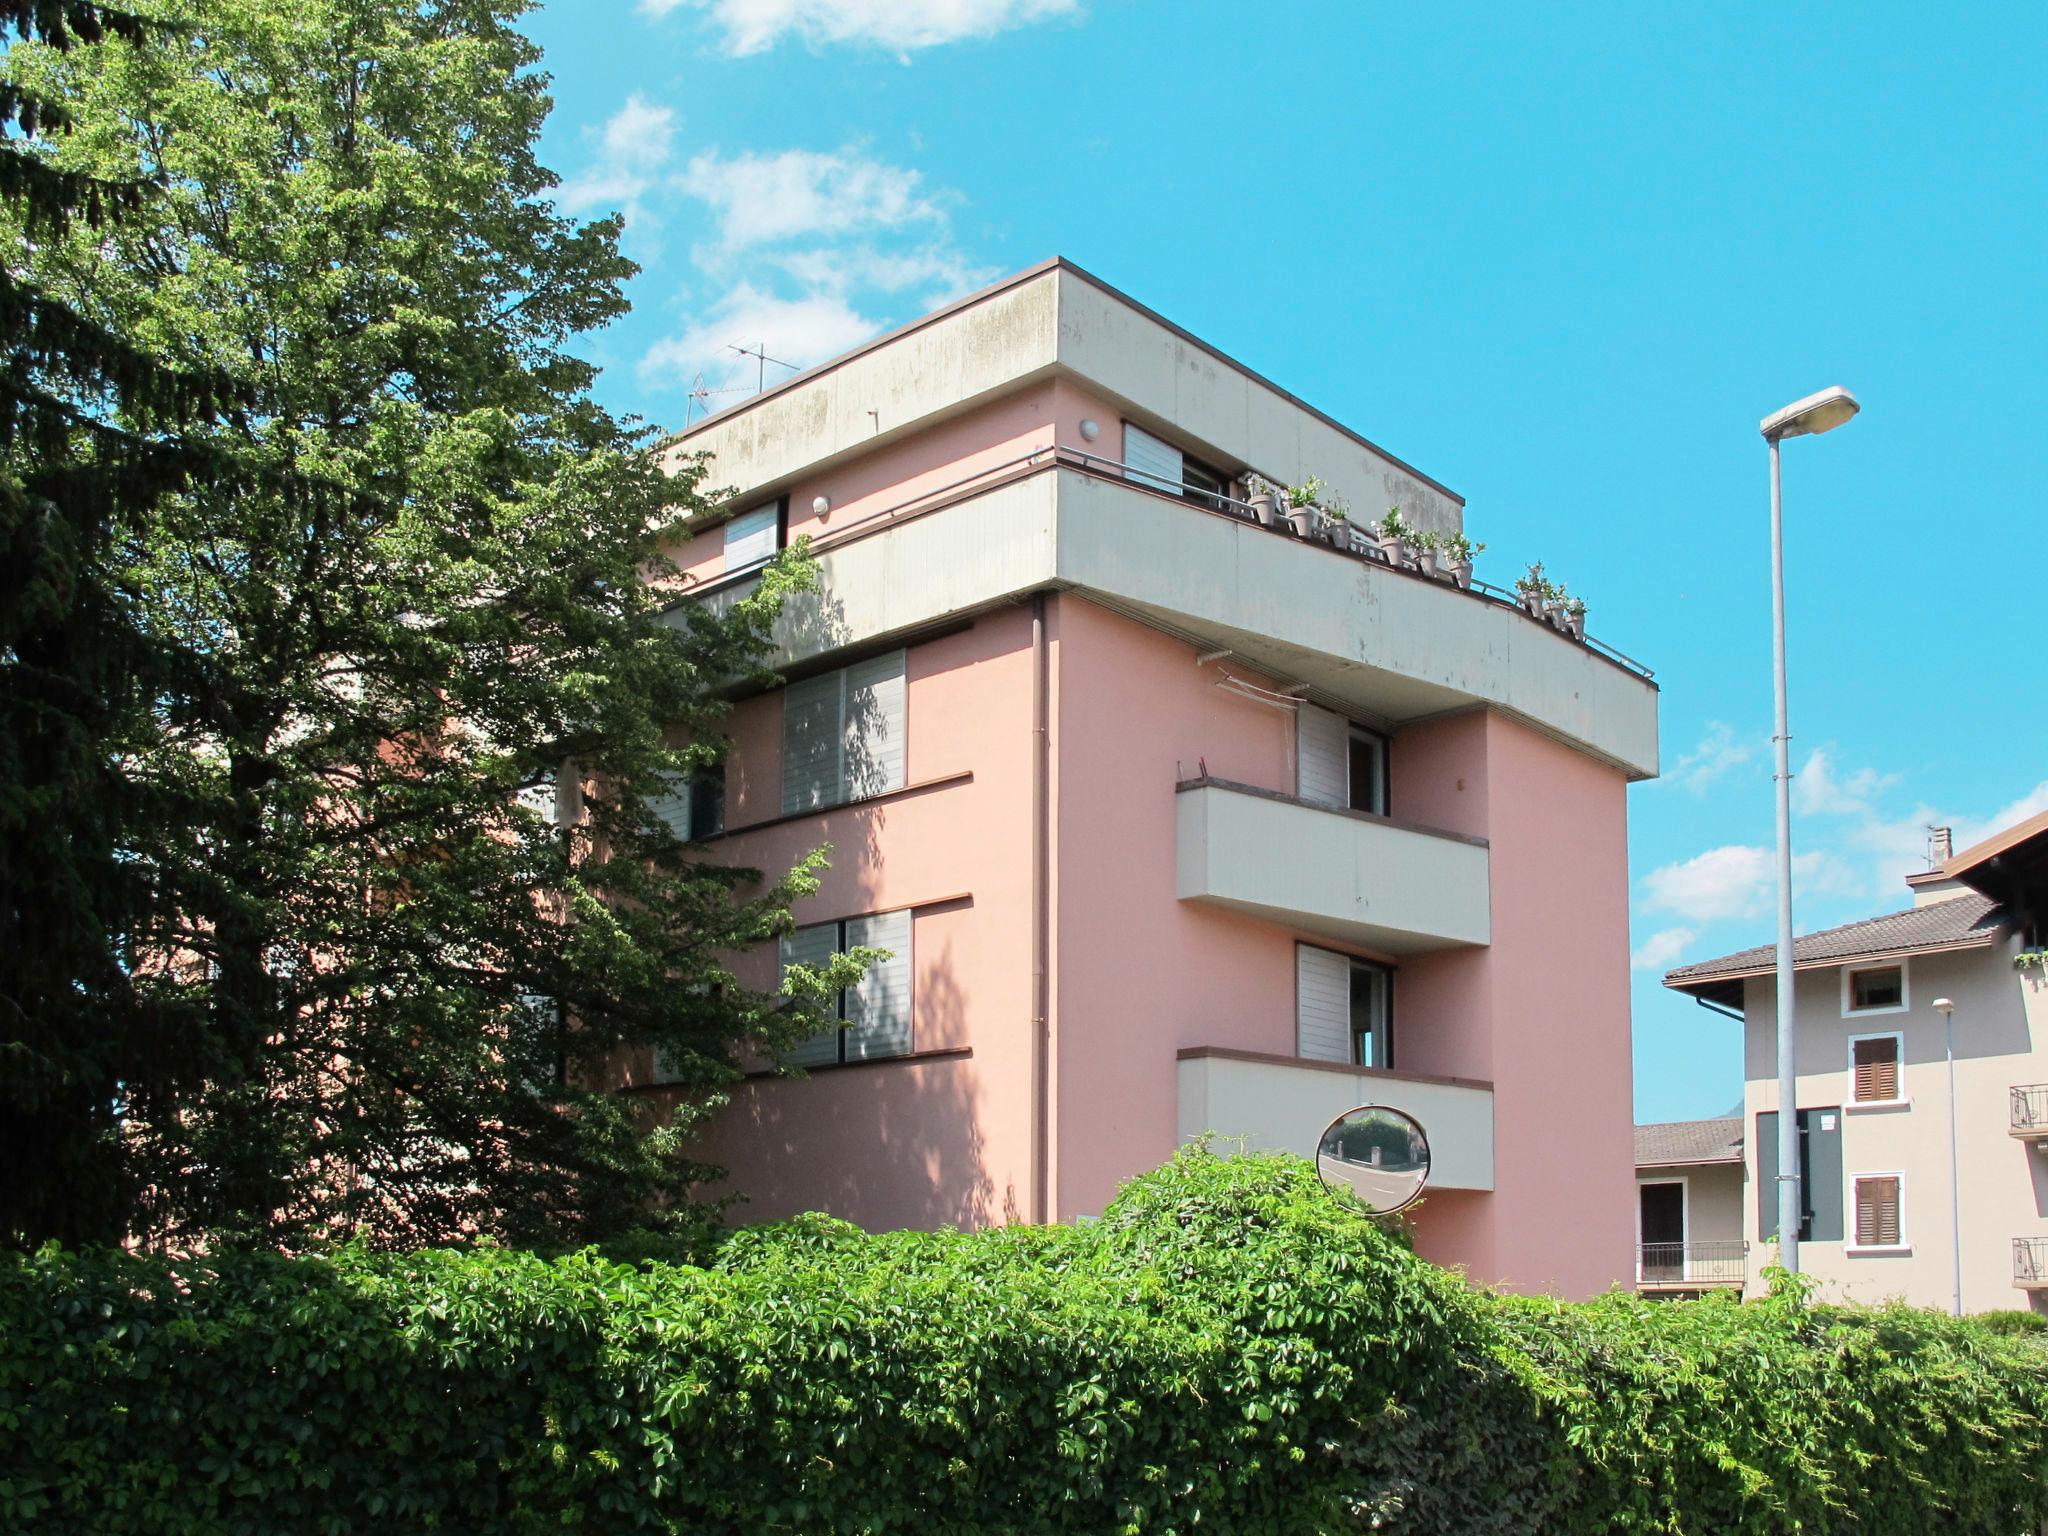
{"x": 2001, "y": 1033}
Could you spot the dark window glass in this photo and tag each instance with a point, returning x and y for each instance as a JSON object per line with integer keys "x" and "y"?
{"x": 1370, "y": 1022}
{"x": 1368, "y": 790}
{"x": 1877, "y": 989}
{"x": 707, "y": 804}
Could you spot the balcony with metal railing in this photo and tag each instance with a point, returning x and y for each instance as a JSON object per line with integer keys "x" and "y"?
{"x": 1702, "y": 1266}
{"x": 2030, "y": 1263}
{"x": 2030, "y": 1112}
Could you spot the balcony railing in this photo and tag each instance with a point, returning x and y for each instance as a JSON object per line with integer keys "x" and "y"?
{"x": 1684, "y": 1265}
{"x": 2030, "y": 1111}
{"x": 2030, "y": 1263}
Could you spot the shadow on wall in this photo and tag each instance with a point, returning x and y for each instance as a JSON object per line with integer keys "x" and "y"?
{"x": 884, "y": 1145}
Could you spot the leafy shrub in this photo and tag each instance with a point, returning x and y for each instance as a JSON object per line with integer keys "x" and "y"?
{"x": 1226, "y": 1350}
{"x": 2012, "y": 1322}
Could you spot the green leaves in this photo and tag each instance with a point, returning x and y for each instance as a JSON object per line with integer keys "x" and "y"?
{"x": 1225, "y": 1350}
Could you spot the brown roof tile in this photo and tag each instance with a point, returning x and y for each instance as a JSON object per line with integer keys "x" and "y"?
{"x": 1958, "y": 923}
{"x": 1689, "y": 1141}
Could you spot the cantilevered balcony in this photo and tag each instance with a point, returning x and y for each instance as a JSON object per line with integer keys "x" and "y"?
{"x": 2030, "y": 1112}
{"x": 2030, "y": 1263}
{"x": 1346, "y": 875}
{"x": 1671, "y": 1268}
{"x": 1281, "y": 1104}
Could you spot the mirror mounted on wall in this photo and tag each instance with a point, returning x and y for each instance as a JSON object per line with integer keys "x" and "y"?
{"x": 1381, "y": 1155}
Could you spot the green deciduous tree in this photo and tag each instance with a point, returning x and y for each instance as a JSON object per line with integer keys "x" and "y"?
{"x": 368, "y": 985}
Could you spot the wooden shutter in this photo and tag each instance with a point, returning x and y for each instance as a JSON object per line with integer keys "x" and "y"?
{"x": 1877, "y": 1212}
{"x": 873, "y": 753}
{"x": 878, "y": 1010}
{"x": 751, "y": 537}
{"x": 1322, "y": 750}
{"x": 813, "y": 946}
{"x": 1322, "y": 1004}
{"x": 811, "y": 744}
{"x": 1153, "y": 462}
{"x": 1877, "y": 1069}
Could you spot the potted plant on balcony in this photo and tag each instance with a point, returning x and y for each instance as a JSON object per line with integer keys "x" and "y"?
{"x": 1575, "y": 617}
{"x": 1535, "y": 589}
{"x": 1302, "y": 502}
{"x": 1458, "y": 554}
{"x": 1337, "y": 523}
{"x": 1394, "y": 535}
{"x": 1264, "y": 499}
{"x": 1427, "y": 544}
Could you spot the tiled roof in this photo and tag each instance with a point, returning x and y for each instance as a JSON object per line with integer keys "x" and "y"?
{"x": 1959, "y": 922}
{"x": 1689, "y": 1141}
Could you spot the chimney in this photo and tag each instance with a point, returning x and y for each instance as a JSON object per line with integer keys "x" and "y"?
{"x": 1940, "y": 844}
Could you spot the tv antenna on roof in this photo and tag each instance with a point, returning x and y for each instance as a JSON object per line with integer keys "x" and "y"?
{"x": 761, "y": 362}
{"x": 701, "y": 393}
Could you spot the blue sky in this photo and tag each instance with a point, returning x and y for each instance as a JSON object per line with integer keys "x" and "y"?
{"x": 1561, "y": 257}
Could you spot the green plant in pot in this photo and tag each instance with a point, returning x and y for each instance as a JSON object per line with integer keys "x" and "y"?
{"x": 1337, "y": 523}
{"x": 1575, "y": 617}
{"x": 1395, "y": 536}
{"x": 1302, "y": 501}
{"x": 1536, "y": 589}
{"x": 1458, "y": 555}
{"x": 1264, "y": 499}
{"x": 1428, "y": 546}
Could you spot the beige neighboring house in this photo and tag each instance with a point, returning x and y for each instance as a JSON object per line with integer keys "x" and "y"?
{"x": 1884, "y": 1202}
{"x": 1689, "y": 1183}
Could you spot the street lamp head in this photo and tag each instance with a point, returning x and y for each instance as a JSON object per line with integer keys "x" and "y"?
{"x": 1943, "y": 1005}
{"x": 1817, "y": 413}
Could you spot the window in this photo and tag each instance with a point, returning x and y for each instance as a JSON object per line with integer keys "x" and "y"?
{"x": 1874, "y": 1068}
{"x": 1874, "y": 989}
{"x": 1207, "y": 486}
{"x": 753, "y": 537}
{"x": 1880, "y": 1210}
{"x": 1152, "y": 461}
{"x": 694, "y": 808}
{"x": 1338, "y": 763}
{"x": 534, "y": 1042}
{"x": 876, "y": 1014}
{"x": 842, "y": 735}
{"x": 1343, "y": 1008}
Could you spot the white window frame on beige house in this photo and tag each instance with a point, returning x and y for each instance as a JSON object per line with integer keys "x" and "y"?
{"x": 1849, "y": 973}
{"x": 1850, "y": 1102}
{"x": 1684, "y": 1183}
{"x": 1850, "y": 1245}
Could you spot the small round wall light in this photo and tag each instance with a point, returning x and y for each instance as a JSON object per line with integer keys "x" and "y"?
{"x": 820, "y": 505}
{"x": 1091, "y": 429}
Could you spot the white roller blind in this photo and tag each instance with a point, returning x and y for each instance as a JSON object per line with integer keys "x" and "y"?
{"x": 1153, "y": 461}
{"x": 842, "y": 735}
{"x": 813, "y": 946}
{"x": 878, "y": 1010}
{"x": 1322, "y": 767}
{"x": 1322, "y": 1003}
{"x": 672, "y": 805}
{"x": 750, "y": 538}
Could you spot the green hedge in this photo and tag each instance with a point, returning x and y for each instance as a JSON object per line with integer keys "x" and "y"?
{"x": 1226, "y": 1350}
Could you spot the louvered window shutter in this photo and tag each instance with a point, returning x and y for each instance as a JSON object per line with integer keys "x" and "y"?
{"x": 873, "y": 753}
{"x": 1152, "y": 461}
{"x": 672, "y": 805}
{"x": 751, "y": 537}
{"x": 1322, "y": 1001}
{"x": 1877, "y": 1070}
{"x": 878, "y": 1010}
{"x": 1877, "y": 1213}
{"x": 813, "y": 946}
{"x": 1322, "y": 756}
{"x": 811, "y": 744}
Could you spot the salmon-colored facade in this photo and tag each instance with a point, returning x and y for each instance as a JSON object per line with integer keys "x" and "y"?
{"x": 1106, "y": 694}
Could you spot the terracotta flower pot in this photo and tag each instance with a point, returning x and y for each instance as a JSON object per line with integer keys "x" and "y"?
{"x": 1302, "y": 520}
{"x": 1266, "y": 508}
{"x": 1461, "y": 573}
{"x": 1425, "y": 562}
{"x": 1394, "y": 551}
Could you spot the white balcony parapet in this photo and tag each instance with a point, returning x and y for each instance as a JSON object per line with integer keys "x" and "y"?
{"x": 1346, "y": 875}
{"x": 1282, "y": 1104}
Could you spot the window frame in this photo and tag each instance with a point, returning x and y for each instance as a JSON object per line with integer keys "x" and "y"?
{"x": 840, "y": 999}
{"x": 778, "y": 509}
{"x": 1850, "y": 1101}
{"x": 1385, "y": 1031}
{"x": 1382, "y": 747}
{"x": 1855, "y": 1218}
{"x": 844, "y": 791}
{"x": 1849, "y": 974}
{"x": 1684, "y": 1183}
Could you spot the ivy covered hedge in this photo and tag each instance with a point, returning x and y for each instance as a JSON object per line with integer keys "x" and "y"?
{"x": 1226, "y": 1350}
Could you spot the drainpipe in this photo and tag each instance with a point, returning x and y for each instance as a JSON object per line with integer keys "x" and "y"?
{"x": 1041, "y": 918}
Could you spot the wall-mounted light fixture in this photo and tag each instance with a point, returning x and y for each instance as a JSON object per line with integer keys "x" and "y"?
{"x": 820, "y": 505}
{"x": 1090, "y": 428}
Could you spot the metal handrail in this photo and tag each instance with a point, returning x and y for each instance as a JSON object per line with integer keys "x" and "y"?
{"x": 2030, "y": 1107}
{"x": 1197, "y": 498}
{"x": 2030, "y": 1261}
{"x": 1719, "y": 1261}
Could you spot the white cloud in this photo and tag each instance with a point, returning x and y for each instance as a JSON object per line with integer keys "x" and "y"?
{"x": 1661, "y": 948}
{"x": 751, "y": 26}
{"x": 801, "y": 331}
{"x": 1718, "y": 752}
{"x": 634, "y": 146}
{"x": 1819, "y": 790}
{"x": 800, "y": 194}
{"x": 1738, "y": 881}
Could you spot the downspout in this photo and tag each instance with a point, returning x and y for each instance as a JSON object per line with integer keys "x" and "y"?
{"x": 1041, "y": 919}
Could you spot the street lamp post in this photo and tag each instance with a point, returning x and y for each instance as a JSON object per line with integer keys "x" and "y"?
{"x": 1947, "y": 1010}
{"x": 1815, "y": 414}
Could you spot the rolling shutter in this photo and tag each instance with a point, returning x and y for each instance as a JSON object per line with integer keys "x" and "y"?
{"x": 1877, "y": 1069}
{"x": 810, "y": 744}
{"x": 873, "y": 731}
{"x": 1322, "y": 1004}
{"x": 842, "y": 735}
{"x": 878, "y": 1010}
{"x": 1877, "y": 1212}
{"x": 813, "y": 946}
{"x": 1152, "y": 461}
{"x": 1322, "y": 770}
{"x": 752, "y": 537}
{"x": 672, "y": 806}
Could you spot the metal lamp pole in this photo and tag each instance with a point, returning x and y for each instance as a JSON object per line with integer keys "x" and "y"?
{"x": 1947, "y": 1010}
{"x": 1815, "y": 414}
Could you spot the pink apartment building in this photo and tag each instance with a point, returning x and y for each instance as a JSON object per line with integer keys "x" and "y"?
{"x": 1174, "y": 822}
